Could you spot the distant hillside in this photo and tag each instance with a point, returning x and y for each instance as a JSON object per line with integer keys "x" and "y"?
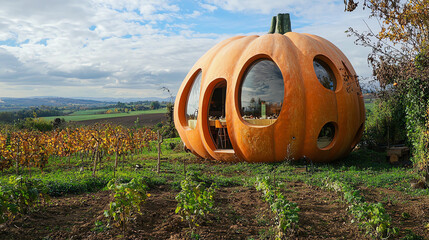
{"x": 19, "y": 103}
{"x": 14, "y": 104}
{"x": 127, "y": 100}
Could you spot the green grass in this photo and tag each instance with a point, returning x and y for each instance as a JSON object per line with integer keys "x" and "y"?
{"x": 89, "y": 115}
{"x": 360, "y": 168}
{"x": 370, "y": 105}
{"x": 91, "y": 112}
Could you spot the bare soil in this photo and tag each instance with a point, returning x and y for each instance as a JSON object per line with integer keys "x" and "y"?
{"x": 240, "y": 214}
{"x": 129, "y": 121}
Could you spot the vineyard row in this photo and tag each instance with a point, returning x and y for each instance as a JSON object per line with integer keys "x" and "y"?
{"x": 33, "y": 148}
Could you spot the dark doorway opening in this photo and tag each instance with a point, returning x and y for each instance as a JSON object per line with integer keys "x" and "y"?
{"x": 216, "y": 117}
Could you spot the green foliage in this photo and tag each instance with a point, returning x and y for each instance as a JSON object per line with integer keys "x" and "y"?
{"x": 412, "y": 236}
{"x": 286, "y": 212}
{"x": 155, "y": 105}
{"x": 36, "y": 124}
{"x": 169, "y": 130}
{"x": 417, "y": 106}
{"x": 194, "y": 201}
{"x": 127, "y": 200}
{"x": 43, "y": 111}
{"x": 65, "y": 185}
{"x": 19, "y": 195}
{"x": 99, "y": 226}
{"x": 403, "y": 73}
{"x": 401, "y": 116}
{"x": 386, "y": 123}
{"x": 371, "y": 216}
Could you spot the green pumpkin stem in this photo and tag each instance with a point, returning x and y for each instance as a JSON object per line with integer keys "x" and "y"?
{"x": 281, "y": 24}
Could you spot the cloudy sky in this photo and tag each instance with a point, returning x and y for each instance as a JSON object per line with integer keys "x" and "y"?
{"x": 113, "y": 48}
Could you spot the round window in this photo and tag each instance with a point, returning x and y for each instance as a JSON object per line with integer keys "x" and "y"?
{"x": 326, "y": 135}
{"x": 193, "y": 101}
{"x": 324, "y": 74}
{"x": 261, "y": 93}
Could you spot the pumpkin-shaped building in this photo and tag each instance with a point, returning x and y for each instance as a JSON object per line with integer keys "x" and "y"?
{"x": 270, "y": 98}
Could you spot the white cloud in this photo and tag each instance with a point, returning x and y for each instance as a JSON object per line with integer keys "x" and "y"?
{"x": 299, "y": 7}
{"x": 132, "y": 48}
{"x": 107, "y": 46}
{"x": 208, "y": 7}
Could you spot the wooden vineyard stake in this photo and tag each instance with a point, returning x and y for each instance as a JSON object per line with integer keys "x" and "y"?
{"x": 160, "y": 140}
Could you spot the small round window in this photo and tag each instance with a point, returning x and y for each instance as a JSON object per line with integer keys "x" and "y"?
{"x": 261, "y": 93}
{"x": 326, "y": 135}
{"x": 193, "y": 101}
{"x": 324, "y": 74}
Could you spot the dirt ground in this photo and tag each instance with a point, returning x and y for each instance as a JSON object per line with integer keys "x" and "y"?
{"x": 144, "y": 120}
{"x": 240, "y": 214}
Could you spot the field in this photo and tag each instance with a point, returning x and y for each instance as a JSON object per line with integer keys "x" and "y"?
{"x": 369, "y": 105}
{"x": 100, "y": 114}
{"x": 75, "y": 210}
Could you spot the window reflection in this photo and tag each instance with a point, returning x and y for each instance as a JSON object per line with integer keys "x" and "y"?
{"x": 193, "y": 101}
{"x": 261, "y": 93}
{"x": 326, "y": 135}
{"x": 324, "y": 74}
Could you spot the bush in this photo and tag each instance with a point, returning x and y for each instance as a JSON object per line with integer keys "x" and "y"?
{"x": 194, "y": 201}
{"x": 19, "y": 195}
{"x": 35, "y": 124}
{"x": 127, "y": 200}
{"x": 417, "y": 122}
{"x": 385, "y": 124}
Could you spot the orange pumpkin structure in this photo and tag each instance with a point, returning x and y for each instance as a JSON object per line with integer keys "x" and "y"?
{"x": 271, "y": 98}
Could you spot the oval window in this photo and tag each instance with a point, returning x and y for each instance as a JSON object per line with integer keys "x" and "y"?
{"x": 193, "y": 101}
{"x": 326, "y": 135}
{"x": 261, "y": 93}
{"x": 324, "y": 74}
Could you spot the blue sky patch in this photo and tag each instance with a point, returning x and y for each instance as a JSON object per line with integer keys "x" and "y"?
{"x": 13, "y": 43}
{"x": 43, "y": 41}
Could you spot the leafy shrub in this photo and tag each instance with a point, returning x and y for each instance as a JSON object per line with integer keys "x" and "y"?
{"x": 19, "y": 195}
{"x": 127, "y": 200}
{"x": 418, "y": 129}
{"x": 194, "y": 201}
{"x": 385, "y": 124}
{"x": 36, "y": 124}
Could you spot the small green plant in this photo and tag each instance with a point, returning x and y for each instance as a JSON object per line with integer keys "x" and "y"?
{"x": 411, "y": 236}
{"x": 19, "y": 195}
{"x": 405, "y": 215}
{"x": 286, "y": 212}
{"x": 99, "y": 226}
{"x": 194, "y": 201}
{"x": 127, "y": 200}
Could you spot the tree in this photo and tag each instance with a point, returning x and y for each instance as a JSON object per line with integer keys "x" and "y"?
{"x": 170, "y": 130}
{"x": 155, "y": 105}
{"x": 400, "y": 62}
